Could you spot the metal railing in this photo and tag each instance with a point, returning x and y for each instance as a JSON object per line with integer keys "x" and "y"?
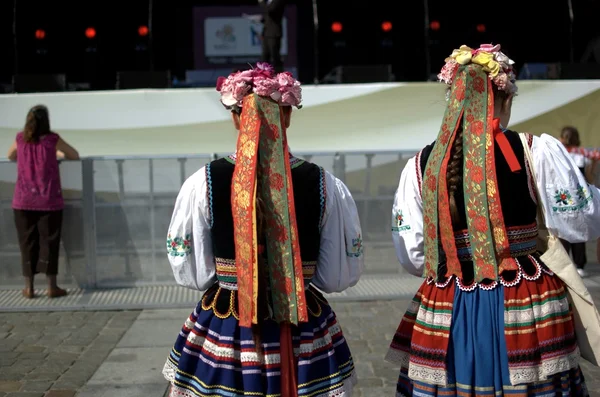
{"x": 117, "y": 210}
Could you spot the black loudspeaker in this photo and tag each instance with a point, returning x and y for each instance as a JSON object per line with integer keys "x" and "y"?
{"x": 349, "y": 74}
{"x": 137, "y": 80}
{"x": 579, "y": 71}
{"x": 28, "y": 83}
{"x": 366, "y": 73}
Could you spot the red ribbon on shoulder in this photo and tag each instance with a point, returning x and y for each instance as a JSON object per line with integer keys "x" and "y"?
{"x": 505, "y": 148}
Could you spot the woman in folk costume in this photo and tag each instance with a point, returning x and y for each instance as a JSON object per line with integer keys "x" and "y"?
{"x": 259, "y": 230}
{"x": 490, "y": 318}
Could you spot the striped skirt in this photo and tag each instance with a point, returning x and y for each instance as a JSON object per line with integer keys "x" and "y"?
{"x": 515, "y": 337}
{"x": 214, "y": 356}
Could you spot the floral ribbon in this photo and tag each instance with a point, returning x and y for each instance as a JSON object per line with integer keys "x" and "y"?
{"x": 262, "y": 145}
{"x": 472, "y": 104}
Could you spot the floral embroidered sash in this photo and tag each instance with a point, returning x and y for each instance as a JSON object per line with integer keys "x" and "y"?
{"x": 262, "y": 144}
{"x": 471, "y": 105}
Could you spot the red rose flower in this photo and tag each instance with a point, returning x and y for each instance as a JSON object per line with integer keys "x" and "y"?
{"x": 276, "y": 181}
{"x": 280, "y": 233}
{"x": 470, "y": 118}
{"x": 460, "y": 93}
{"x": 273, "y": 132}
{"x": 445, "y": 137}
{"x": 476, "y": 174}
{"x": 481, "y": 224}
{"x": 477, "y": 127}
{"x": 431, "y": 182}
{"x": 478, "y": 84}
{"x": 431, "y": 231}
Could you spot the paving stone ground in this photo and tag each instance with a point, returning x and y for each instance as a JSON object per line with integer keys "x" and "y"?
{"x": 53, "y": 354}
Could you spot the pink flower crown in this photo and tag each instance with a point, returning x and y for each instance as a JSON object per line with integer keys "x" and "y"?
{"x": 283, "y": 88}
{"x": 497, "y": 65}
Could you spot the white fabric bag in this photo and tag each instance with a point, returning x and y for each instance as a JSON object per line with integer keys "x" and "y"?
{"x": 585, "y": 313}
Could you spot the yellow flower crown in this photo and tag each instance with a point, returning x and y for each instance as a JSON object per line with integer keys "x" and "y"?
{"x": 495, "y": 63}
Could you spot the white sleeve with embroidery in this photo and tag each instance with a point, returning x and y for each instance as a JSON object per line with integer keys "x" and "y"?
{"x": 407, "y": 221}
{"x": 189, "y": 245}
{"x": 572, "y": 207}
{"x": 341, "y": 260}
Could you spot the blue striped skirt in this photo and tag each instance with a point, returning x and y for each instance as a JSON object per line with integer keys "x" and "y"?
{"x": 214, "y": 356}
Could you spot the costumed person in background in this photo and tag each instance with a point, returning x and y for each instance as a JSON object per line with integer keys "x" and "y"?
{"x": 569, "y": 136}
{"x": 258, "y": 229}
{"x": 490, "y": 318}
{"x": 272, "y": 32}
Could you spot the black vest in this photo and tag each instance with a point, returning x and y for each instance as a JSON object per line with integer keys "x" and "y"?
{"x": 309, "y": 196}
{"x": 516, "y": 198}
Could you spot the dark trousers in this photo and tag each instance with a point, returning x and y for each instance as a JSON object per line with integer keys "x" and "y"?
{"x": 578, "y": 252}
{"x": 271, "y": 52}
{"x": 39, "y": 239}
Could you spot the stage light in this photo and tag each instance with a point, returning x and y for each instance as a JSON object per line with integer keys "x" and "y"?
{"x": 386, "y": 26}
{"x": 40, "y": 34}
{"x": 481, "y": 28}
{"x": 336, "y": 27}
{"x": 90, "y": 33}
{"x": 435, "y": 25}
{"x": 143, "y": 31}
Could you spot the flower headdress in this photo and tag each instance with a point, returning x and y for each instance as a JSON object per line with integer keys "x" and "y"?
{"x": 469, "y": 117}
{"x": 283, "y": 88}
{"x": 496, "y": 64}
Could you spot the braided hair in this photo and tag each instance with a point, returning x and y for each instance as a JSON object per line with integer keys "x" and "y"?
{"x": 454, "y": 172}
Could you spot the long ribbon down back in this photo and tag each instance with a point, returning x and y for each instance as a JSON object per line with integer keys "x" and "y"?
{"x": 470, "y": 106}
{"x": 262, "y": 146}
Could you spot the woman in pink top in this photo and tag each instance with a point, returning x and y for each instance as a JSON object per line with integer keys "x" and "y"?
{"x": 38, "y": 201}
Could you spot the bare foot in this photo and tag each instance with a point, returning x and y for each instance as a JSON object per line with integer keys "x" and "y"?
{"x": 56, "y": 292}
{"x": 28, "y": 293}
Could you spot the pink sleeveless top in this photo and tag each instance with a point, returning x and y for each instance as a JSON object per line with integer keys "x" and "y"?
{"x": 38, "y": 179}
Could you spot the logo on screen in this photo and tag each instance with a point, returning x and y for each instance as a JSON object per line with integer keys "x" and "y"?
{"x": 227, "y": 37}
{"x": 256, "y": 34}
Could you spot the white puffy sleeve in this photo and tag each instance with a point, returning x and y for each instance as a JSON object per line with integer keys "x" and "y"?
{"x": 407, "y": 220}
{"x": 189, "y": 245}
{"x": 341, "y": 259}
{"x": 571, "y": 206}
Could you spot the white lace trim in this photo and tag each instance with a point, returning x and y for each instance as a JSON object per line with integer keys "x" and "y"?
{"x": 539, "y": 270}
{"x": 169, "y": 371}
{"x": 433, "y": 376}
{"x": 518, "y": 376}
{"x": 545, "y": 370}
{"x": 398, "y": 357}
{"x": 535, "y": 313}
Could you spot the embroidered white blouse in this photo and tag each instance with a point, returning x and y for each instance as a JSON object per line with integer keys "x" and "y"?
{"x": 572, "y": 207}
{"x": 189, "y": 244}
